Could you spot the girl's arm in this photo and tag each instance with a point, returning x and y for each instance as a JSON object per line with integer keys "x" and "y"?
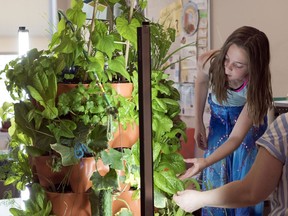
{"x": 242, "y": 126}
{"x": 201, "y": 91}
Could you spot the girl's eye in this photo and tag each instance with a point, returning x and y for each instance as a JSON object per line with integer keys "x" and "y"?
{"x": 237, "y": 65}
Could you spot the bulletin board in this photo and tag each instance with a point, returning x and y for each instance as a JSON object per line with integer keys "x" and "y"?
{"x": 191, "y": 20}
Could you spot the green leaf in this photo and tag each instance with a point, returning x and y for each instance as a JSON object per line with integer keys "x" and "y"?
{"x": 48, "y": 208}
{"x": 34, "y": 151}
{"x": 171, "y": 102}
{"x": 75, "y": 14}
{"x": 157, "y": 148}
{"x": 128, "y": 30}
{"x": 178, "y": 166}
{"x": 114, "y": 1}
{"x": 106, "y": 44}
{"x": 67, "y": 154}
{"x": 63, "y": 128}
{"x": 10, "y": 180}
{"x": 118, "y": 65}
{"x": 161, "y": 124}
{"x": 112, "y": 158}
{"x": 109, "y": 181}
{"x": 180, "y": 212}
{"x": 124, "y": 212}
{"x": 98, "y": 138}
{"x": 159, "y": 105}
{"x": 40, "y": 200}
{"x": 168, "y": 182}
{"x": 194, "y": 181}
{"x": 160, "y": 199}
{"x": 16, "y": 212}
{"x": 103, "y": 42}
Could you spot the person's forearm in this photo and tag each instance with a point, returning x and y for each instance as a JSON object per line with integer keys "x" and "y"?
{"x": 232, "y": 195}
{"x": 260, "y": 181}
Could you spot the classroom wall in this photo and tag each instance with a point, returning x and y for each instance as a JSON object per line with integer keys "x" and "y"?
{"x": 269, "y": 16}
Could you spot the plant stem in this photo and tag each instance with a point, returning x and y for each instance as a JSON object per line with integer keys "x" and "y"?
{"x": 132, "y": 2}
{"x": 95, "y": 6}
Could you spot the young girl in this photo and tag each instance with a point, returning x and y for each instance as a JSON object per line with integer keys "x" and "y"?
{"x": 241, "y": 94}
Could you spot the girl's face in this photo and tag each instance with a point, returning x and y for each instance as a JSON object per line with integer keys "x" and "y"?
{"x": 236, "y": 65}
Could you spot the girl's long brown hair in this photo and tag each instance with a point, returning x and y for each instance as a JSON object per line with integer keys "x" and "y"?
{"x": 259, "y": 93}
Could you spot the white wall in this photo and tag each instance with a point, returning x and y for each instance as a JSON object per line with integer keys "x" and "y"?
{"x": 270, "y": 17}
{"x": 38, "y": 16}
{"x": 226, "y": 15}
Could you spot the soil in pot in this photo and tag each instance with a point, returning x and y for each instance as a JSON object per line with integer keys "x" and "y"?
{"x": 42, "y": 166}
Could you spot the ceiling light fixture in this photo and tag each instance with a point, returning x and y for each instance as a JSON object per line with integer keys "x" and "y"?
{"x": 23, "y": 40}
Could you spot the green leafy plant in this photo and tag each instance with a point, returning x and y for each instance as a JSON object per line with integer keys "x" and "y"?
{"x": 79, "y": 122}
{"x": 19, "y": 173}
{"x": 104, "y": 47}
{"x": 6, "y": 111}
{"x": 167, "y": 128}
{"x": 37, "y": 204}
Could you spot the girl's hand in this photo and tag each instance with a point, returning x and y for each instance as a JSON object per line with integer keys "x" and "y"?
{"x": 200, "y": 137}
{"x": 198, "y": 164}
{"x": 187, "y": 200}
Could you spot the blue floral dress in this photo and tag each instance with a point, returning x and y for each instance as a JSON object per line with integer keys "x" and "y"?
{"x": 235, "y": 166}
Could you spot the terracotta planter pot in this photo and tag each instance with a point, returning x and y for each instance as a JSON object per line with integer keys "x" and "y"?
{"x": 70, "y": 204}
{"x": 66, "y": 87}
{"x": 102, "y": 168}
{"x": 81, "y": 174}
{"x": 124, "y": 89}
{"x": 125, "y": 138}
{"x": 42, "y": 167}
{"x": 124, "y": 199}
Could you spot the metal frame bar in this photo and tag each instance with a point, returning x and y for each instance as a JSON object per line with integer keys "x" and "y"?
{"x": 145, "y": 120}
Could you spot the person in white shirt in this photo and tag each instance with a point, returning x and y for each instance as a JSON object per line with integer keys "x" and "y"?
{"x": 268, "y": 176}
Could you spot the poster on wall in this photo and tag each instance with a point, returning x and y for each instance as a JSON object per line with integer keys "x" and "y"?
{"x": 190, "y": 18}
{"x": 170, "y": 16}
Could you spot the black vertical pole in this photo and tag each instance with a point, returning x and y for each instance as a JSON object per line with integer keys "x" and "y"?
{"x": 145, "y": 120}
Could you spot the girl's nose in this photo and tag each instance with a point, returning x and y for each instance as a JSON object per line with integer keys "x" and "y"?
{"x": 229, "y": 66}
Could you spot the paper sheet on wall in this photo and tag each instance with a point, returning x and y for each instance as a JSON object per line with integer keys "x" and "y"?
{"x": 170, "y": 16}
{"x": 187, "y": 99}
{"x": 174, "y": 68}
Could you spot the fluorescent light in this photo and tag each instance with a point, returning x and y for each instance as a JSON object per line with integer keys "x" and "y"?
{"x": 23, "y": 40}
